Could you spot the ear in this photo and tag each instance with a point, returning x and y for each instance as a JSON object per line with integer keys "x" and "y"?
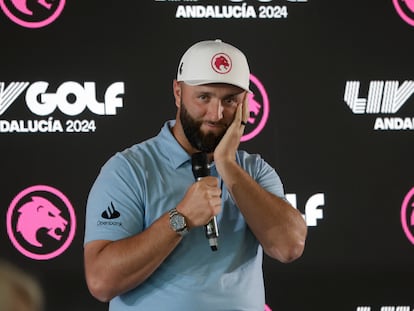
{"x": 177, "y": 92}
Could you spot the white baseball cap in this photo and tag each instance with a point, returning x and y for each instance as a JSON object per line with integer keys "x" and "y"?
{"x": 214, "y": 61}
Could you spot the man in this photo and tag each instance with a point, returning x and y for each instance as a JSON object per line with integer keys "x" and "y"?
{"x": 142, "y": 258}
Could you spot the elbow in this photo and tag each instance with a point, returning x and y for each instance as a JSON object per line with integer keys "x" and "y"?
{"x": 106, "y": 287}
{"x": 286, "y": 254}
{"x": 99, "y": 289}
{"x": 287, "y": 251}
{"x": 289, "y": 254}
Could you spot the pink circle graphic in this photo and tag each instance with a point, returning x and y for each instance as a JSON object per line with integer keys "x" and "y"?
{"x": 400, "y": 11}
{"x": 21, "y": 6}
{"x": 255, "y": 107}
{"x": 407, "y": 220}
{"x": 36, "y": 215}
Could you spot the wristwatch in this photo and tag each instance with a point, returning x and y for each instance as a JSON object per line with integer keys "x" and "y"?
{"x": 177, "y": 222}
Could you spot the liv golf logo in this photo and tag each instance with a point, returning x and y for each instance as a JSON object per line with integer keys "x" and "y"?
{"x": 32, "y": 14}
{"x": 232, "y": 9}
{"x": 70, "y": 98}
{"x": 383, "y": 98}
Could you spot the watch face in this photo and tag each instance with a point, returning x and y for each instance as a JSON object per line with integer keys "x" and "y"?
{"x": 177, "y": 222}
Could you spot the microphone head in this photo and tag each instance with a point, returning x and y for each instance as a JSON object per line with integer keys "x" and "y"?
{"x": 199, "y": 162}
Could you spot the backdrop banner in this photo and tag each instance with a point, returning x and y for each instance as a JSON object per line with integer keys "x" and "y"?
{"x": 332, "y": 110}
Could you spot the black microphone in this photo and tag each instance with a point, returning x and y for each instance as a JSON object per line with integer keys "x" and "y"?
{"x": 199, "y": 162}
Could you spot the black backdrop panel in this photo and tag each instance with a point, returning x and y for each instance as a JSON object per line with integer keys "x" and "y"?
{"x": 80, "y": 81}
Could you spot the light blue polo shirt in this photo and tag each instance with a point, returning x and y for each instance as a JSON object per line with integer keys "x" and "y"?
{"x": 138, "y": 185}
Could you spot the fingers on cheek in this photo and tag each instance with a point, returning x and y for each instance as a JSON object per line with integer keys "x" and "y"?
{"x": 246, "y": 111}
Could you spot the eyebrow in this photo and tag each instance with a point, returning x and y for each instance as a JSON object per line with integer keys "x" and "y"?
{"x": 235, "y": 94}
{"x": 214, "y": 94}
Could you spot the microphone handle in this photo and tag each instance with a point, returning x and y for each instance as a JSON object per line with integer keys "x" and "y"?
{"x": 211, "y": 230}
{"x": 212, "y": 233}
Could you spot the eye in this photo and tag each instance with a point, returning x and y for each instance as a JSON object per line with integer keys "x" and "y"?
{"x": 230, "y": 101}
{"x": 204, "y": 97}
{"x": 50, "y": 214}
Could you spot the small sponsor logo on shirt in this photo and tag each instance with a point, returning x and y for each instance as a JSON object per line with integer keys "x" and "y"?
{"x": 110, "y": 213}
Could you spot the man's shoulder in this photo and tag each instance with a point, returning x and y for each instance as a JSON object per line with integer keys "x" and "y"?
{"x": 141, "y": 152}
{"x": 245, "y": 157}
{"x": 153, "y": 145}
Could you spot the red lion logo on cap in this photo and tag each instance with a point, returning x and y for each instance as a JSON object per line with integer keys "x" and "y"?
{"x": 221, "y": 63}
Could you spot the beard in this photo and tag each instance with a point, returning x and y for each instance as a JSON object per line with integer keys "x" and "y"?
{"x": 205, "y": 142}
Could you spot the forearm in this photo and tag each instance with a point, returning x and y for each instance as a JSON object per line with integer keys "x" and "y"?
{"x": 279, "y": 227}
{"x": 122, "y": 265}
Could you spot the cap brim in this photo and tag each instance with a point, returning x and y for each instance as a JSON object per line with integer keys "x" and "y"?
{"x": 202, "y": 82}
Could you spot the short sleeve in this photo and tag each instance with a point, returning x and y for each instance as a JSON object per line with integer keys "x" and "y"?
{"x": 261, "y": 171}
{"x": 115, "y": 203}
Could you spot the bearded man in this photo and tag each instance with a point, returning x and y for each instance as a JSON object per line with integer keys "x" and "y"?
{"x": 154, "y": 254}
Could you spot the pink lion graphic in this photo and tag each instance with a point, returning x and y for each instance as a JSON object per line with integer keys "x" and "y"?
{"x": 36, "y": 214}
{"x": 21, "y": 5}
{"x": 412, "y": 217}
{"x": 410, "y": 4}
{"x": 254, "y": 108}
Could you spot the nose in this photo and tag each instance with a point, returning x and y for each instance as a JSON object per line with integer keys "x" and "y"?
{"x": 215, "y": 110}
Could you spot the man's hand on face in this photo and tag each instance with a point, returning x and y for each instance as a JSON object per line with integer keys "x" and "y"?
{"x": 227, "y": 148}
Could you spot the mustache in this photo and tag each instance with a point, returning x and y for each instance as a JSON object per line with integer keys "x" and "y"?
{"x": 216, "y": 123}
